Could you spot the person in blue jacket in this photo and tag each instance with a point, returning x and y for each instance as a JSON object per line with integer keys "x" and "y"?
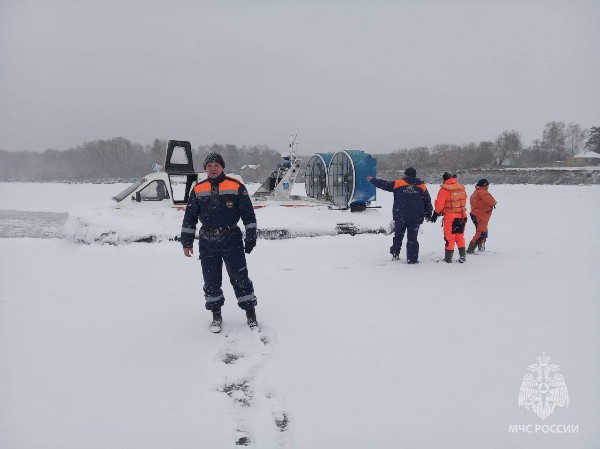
{"x": 219, "y": 202}
{"x": 412, "y": 205}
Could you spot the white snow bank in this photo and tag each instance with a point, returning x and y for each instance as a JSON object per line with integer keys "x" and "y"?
{"x": 103, "y": 223}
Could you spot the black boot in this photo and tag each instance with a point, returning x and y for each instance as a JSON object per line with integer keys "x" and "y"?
{"x": 251, "y": 317}
{"x": 471, "y": 248}
{"x": 481, "y": 246}
{"x": 215, "y": 326}
{"x": 463, "y": 255}
{"x": 449, "y": 255}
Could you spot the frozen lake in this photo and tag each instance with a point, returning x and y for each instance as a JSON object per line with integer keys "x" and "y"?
{"x": 107, "y": 346}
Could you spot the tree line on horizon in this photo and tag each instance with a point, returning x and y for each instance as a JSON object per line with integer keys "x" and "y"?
{"x": 558, "y": 142}
{"x": 119, "y": 159}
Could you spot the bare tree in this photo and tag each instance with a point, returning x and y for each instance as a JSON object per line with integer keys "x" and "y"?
{"x": 575, "y": 137}
{"x": 475, "y": 155}
{"x": 593, "y": 143}
{"x": 157, "y": 151}
{"x": 554, "y": 139}
{"x": 507, "y": 146}
{"x": 447, "y": 156}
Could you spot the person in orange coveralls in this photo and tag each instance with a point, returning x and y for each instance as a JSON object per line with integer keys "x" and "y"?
{"x": 451, "y": 203}
{"x": 482, "y": 205}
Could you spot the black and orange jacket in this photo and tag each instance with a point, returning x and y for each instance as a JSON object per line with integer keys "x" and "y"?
{"x": 451, "y": 199}
{"x": 218, "y": 204}
{"x": 412, "y": 202}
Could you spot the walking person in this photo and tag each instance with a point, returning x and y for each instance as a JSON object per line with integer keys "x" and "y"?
{"x": 451, "y": 203}
{"x": 482, "y": 205}
{"x": 412, "y": 204}
{"x": 219, "y": 202}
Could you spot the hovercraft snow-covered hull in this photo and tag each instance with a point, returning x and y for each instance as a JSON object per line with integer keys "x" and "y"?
{"x": 107, "y": 224}
{"x": 289, "y": 222}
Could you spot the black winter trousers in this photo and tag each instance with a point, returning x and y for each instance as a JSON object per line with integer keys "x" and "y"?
{"x": 412, "y": 244}
{"x": 214, "y": 250}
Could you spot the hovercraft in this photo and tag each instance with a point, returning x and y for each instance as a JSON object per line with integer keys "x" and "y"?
{"x": 151, "y": 209}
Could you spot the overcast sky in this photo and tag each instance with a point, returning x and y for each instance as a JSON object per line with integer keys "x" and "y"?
{"x": 373, "y": 75}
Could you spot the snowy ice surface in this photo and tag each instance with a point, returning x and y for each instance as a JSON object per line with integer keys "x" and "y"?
{"x": 107, "y": 346}
{"x": 53, "y": 196}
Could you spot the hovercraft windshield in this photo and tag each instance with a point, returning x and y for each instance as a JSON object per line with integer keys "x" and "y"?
{"x": 129, "y": 190}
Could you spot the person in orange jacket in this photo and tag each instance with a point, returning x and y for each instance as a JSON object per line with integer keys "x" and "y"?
{"x": 482, "y": 205}
{"x": 451, "y": 203}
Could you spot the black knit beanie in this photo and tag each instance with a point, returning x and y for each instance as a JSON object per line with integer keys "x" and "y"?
{"x": 214, "y": 157}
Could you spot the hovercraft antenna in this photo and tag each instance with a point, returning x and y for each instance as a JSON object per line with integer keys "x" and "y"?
{"x": 293, "y": 145}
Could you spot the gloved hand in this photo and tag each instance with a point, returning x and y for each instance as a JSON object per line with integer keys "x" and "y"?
{"x": 428, "y": 217}
{"x": 434, "y": 217}
{"x": 249, "y": 246}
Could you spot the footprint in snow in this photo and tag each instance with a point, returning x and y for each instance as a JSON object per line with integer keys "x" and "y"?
{"x": 244, "y": 353}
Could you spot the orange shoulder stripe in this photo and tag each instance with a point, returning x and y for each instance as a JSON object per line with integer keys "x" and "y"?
{"x": 229, "y": 184}
{"x": 400, "y": 183}
{"x": 202, "y": 186}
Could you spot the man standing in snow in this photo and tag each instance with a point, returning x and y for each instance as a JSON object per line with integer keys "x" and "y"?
{"x": 219, "y": 202}
{"x": 482, "y": 205}
{"x": 451, "y": 203}
{"x": 412, "y": 204}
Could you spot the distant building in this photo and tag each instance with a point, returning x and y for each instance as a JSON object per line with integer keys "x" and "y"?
{"x": 583, "y": 159}
{"x": 252, "y": 172}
